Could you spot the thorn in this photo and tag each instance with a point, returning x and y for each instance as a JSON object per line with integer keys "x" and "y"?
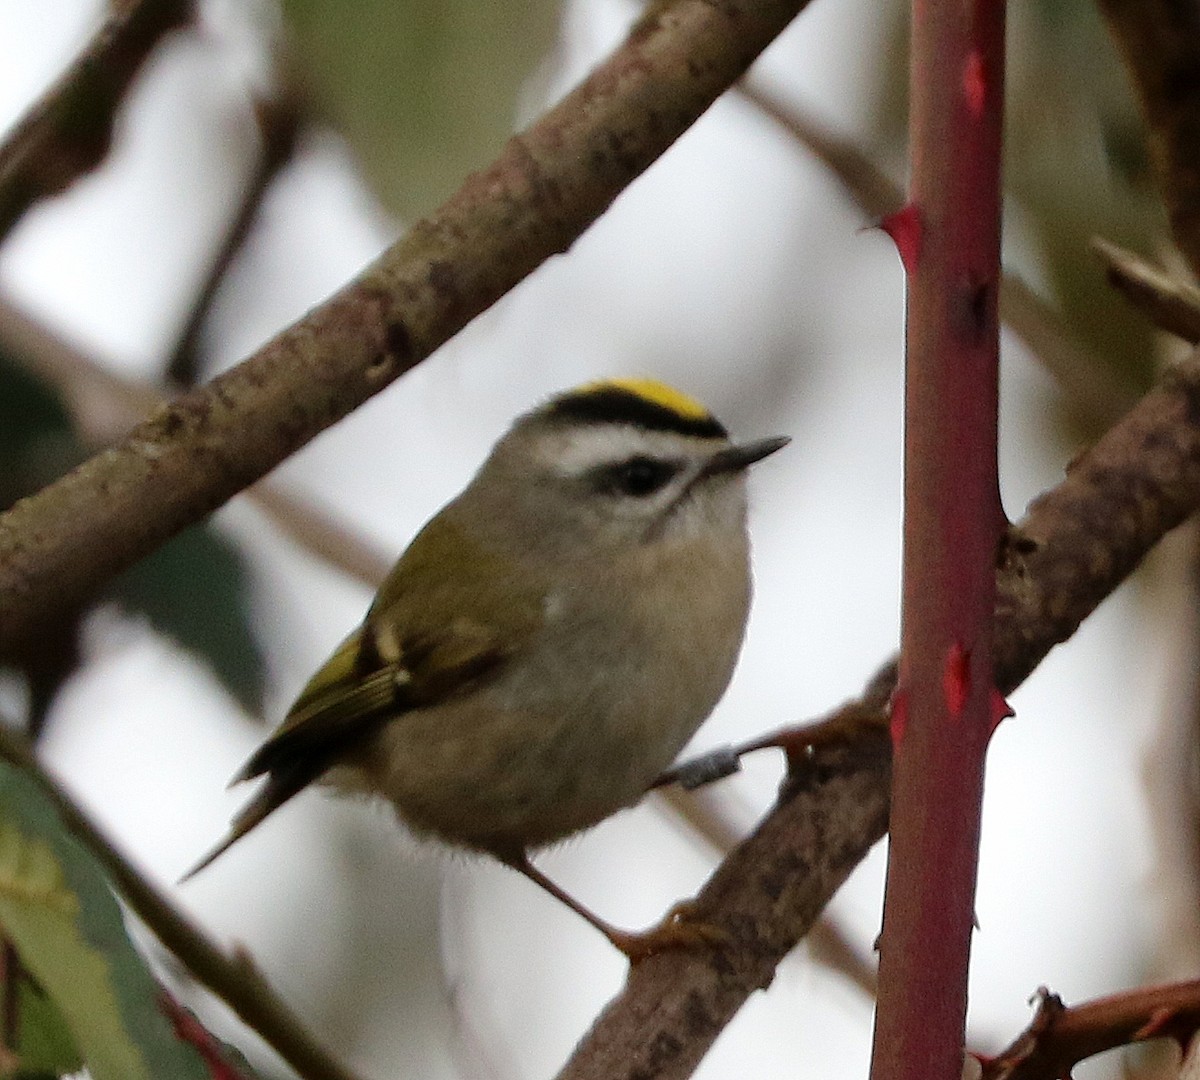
{"x": 974, "y": 83}
{"x": 956, "y": 679}
{"x": 1001, "y": 709}
{"x": 899, "y": 721}
{"x": 904, "y": 227}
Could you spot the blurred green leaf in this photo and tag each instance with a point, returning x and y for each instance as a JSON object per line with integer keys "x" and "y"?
{"x": 45, "y": 1045}
{"x": 195, "y": 589}
{"x": 57, "y": 911}
{"x": 37, "y": 443}
{"x": 424, "y": 90}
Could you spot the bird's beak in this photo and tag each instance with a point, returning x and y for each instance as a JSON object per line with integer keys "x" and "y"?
{"x": 736, "y": 458}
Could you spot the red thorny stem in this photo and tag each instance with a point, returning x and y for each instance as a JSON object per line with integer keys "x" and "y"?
{"x": 946, "y": 706}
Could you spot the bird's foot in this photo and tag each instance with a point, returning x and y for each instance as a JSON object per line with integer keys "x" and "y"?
{"x": 679, "y": 929}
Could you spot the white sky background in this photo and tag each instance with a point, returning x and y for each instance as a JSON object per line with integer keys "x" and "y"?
{"x": 736, "y": 269}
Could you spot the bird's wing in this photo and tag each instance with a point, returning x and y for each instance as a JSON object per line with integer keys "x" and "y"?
{"x": 425, "y": 640}
{"x": 346, "y": 695}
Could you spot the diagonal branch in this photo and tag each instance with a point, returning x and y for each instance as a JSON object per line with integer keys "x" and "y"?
{"x": 104, "y": 406}
{"x": 67, "y": 132}
{"x": 1170, "y": 304}
{"x": 1076, "y": 544}
{"x": 280, "y": 116}
{"x": 548, "y": 185}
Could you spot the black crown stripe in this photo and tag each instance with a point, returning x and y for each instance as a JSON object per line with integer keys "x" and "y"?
{"x": 614, "y": 405}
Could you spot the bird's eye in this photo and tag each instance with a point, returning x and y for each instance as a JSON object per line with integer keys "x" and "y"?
{"x": 639, "y": 476}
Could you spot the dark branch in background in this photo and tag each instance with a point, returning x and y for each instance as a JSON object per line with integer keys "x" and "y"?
{"x": 547, "y": 186}
{"x": 1170, "y": 304}
{"x": 280, "y": 117}
{"x": 1075, "y": 545}
{"x": 64, "y": 135}
{"x": 104, "y": 406}
{"x": 1093, "y": 391}
{"x": 234, "y": 980}
{"x": 1159, "y": 41}
{"x": 67, "y": 133}
{"x": 874, "y": 192}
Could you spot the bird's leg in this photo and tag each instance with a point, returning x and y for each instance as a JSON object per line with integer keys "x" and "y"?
{"x": 672, "y": 933}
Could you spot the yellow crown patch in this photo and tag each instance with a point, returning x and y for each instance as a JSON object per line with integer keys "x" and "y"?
{"x": 655, "y": 392}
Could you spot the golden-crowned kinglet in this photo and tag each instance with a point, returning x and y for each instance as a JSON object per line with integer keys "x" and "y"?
{"x": 550, "y": 639}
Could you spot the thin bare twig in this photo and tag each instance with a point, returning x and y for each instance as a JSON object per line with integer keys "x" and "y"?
{"x": 1091, "y": 388}
{"x": 280, "y": 117}
{"x": 1058, "y": 1038}
{"x": 1170, "y": 304}
{"x": 67, "y": 132}
{"x": 830, "y": 945}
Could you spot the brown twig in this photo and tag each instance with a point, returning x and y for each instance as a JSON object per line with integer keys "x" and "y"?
{"x": 1170, "y": 304}
{"x": 1159, "y": 41}
{"x": 234, "y": 980}
{"x": 764, "y": 897}
{"x": 1077, "y": 542}
{"x": 1058, "y": 1038}
{"x": 67, "y": 132}
{"x": 829, "y": 945}
{"x": 104, "y": 406}
{"x": 280, "y": 117}
{"x": 872, "y": 190}
{"x": 547, "y": 186}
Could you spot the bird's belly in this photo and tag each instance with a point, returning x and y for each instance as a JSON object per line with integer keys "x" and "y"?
{"x": 483, "y": 774}
{"x": 575, "y": 731}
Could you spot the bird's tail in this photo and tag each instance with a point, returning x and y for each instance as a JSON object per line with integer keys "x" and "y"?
{"x": 280, "y": 786}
